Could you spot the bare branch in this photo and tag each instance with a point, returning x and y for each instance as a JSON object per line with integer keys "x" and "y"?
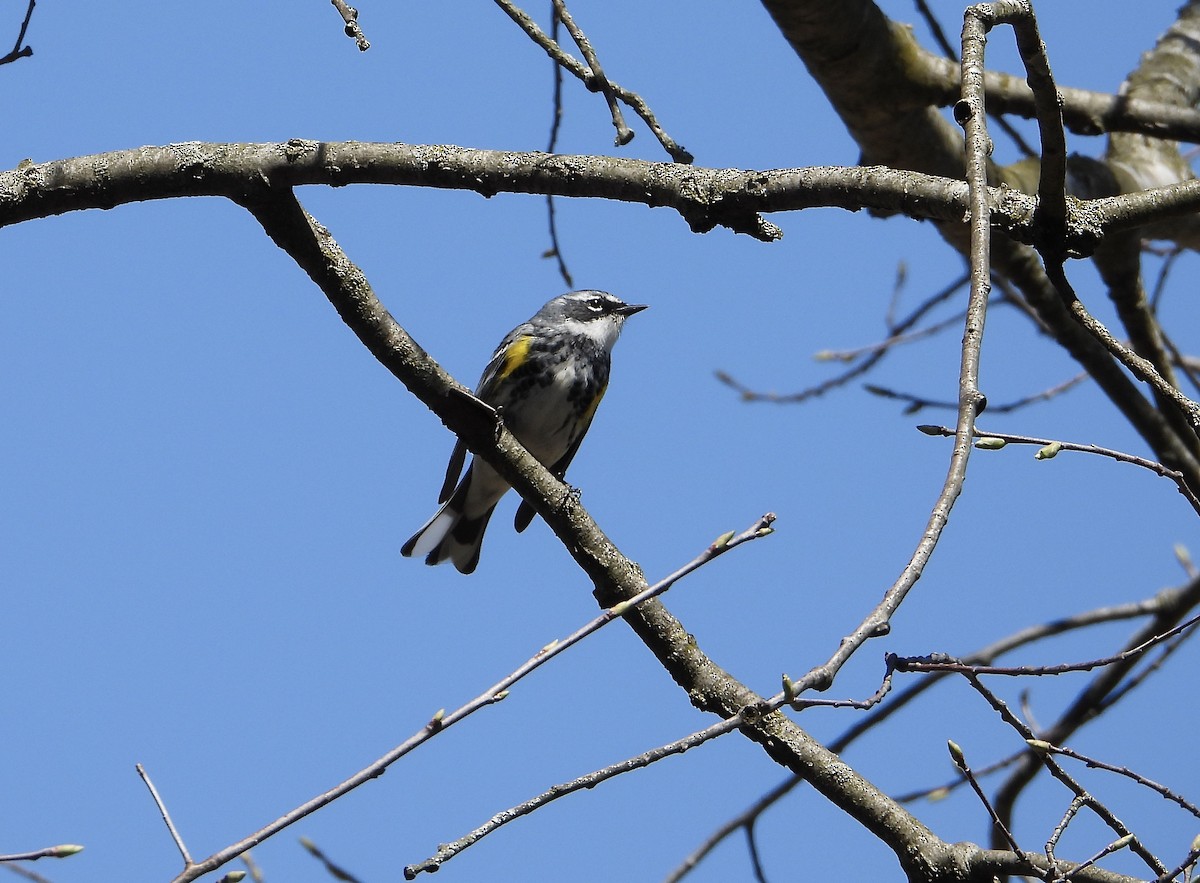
{"x": 27, "y": 873}
{"x": 705, "y": 197}
{"x": 1101, "y": 811}
{"x": 555, "y": 250}
{"x": 448, "y": 851}
{"x": 960, "y": 761}
{"x": 1142, "y": 368}
{"x": 917, "y": 403}
{"x": 1050, "y": 448}
{"x": 597, "y": 81}
{"x": 334, "y": 870}
{"x": 1161, "y": 790}
{"x": 63, "y": 850}
{"x": 166, "y": 816}
{"x": 19, "y": 50}
{"x": 942, "y": 662}
{"x": 874, "y": 354}
{"x": 350, "y": 17}
{"x": 571, "y": 64}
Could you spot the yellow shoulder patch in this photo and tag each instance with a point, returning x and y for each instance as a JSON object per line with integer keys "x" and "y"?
{"x": 514, "y": 356}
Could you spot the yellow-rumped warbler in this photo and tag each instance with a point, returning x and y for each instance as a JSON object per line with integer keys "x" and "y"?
{"x": 547, "y": 378}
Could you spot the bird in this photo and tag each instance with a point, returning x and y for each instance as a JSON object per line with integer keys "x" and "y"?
{"x": 546, "y": 379}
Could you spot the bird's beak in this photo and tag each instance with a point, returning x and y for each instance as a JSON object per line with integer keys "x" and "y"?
{"x": 630, "y": 309}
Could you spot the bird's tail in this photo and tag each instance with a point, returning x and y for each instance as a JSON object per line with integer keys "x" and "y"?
{"x": 451, "y": 535}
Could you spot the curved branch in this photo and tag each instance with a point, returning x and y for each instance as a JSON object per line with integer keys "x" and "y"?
{"x": 705, "y": 197}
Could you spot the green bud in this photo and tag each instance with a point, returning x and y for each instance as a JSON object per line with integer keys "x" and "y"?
{"x": 1049, "y": 452}
{"x": 66, "y": 849}
{"x": 723, "y": 540}
{"x": 990, "y": 443}
{"x": 956, "y": 754}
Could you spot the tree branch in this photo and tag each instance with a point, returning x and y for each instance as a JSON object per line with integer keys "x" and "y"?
{"x": 350, "y": 16}
{"x": 19, "y": 50}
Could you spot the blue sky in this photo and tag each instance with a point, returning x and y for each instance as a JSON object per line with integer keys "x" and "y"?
{"x": 208, "y": 479}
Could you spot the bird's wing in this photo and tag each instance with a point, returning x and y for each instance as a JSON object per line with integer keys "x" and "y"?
{"x": 511, "y": 353}
{"x": 525, "y": 511}
{"x": 453, "y": 469}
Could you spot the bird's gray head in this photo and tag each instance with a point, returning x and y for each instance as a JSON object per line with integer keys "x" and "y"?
{"x": 594, "y": 314}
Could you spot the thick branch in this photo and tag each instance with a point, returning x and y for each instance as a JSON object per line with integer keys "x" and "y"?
{"x": 706, "y": 197}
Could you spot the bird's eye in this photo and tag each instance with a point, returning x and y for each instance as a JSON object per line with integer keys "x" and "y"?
{"x": 596, "y": 304}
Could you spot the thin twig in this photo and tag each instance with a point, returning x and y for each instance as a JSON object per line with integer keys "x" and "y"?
{"x": 942, "y": 662}
{"x": 1162, "y": 790}
{"x": 335, "y": 871}
{"x": 350, "y": 17}
{"x": 1182, "y": 868}
{"x": 1104, "y": 685}
{"x": 597, "y": 81}
{"x": 1160, "y": 282}
{"x": 938, "y": 792}
{"x": 917, "y": 403}
{"x": 27, "y": 873}
{"x": 162, "y": 808}
{"x": 1117, "y": 845}
{"x": 1101, "y": 811}
{"x": 1050, "y": 448}
{"x": 555, "y": 249}
{"x": 872, "y": 359}
{"x": 889, "y": 318}
{"x": 1072, "y": 811}
{"x": 1142, "y": 368}
{"x": 256, "y": 873}
{"x": 447, "y": 851}
{"x": 63, "y": 850}
{"x": 677, "y": 152}
{"x": 1180, "y": 361}
{"x": 859, "y": 704}
{"x": 760, "y": 873}
{"x": 19, "y": 51}
{"x": 960, "y": 761}
{"x": 1138, "y": 679}
{"x": 871, "y": 349}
